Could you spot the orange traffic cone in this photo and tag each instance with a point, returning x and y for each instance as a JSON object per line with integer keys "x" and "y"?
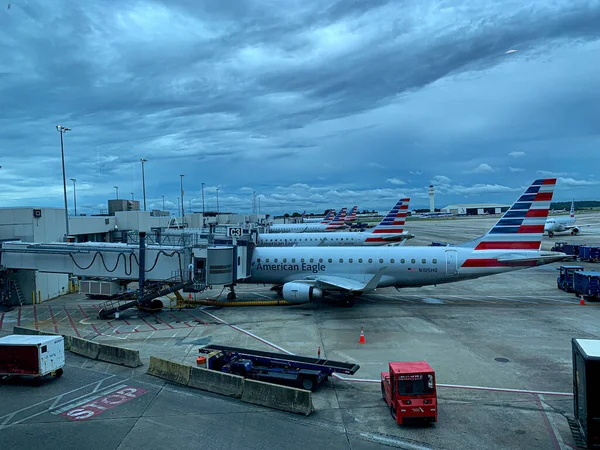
{"x": 362, "y": 336}
{"x": 190, "y": 296}
{"x": 581, "y": 301}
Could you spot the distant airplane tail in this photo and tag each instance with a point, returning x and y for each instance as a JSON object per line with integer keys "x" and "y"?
{"x": 572, "y": 213}
{"x": 329, "y": 217}
{"x": 338, "y": 220}
{"x": 392, "y": 223}
{"x": 352, "y": 216}
{"x": 521, "y": 228}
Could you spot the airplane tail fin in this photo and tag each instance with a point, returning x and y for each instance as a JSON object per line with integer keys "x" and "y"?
{"x": 572, "y": 213}
{"x": 338, "y": 220}
{"x": 392, "y": 223}
{"x": 352, "y": 216}
{"x": 521, "y": 227}
{"x": 329, "y": 217}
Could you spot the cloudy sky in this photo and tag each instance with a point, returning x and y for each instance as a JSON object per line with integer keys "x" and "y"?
{"x": 310, "y": 103}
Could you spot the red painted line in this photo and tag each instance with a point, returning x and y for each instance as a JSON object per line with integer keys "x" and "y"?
{"x": 196, "y": 318}
{"x": 162, "y": 321}
{"x": 35, "y": 322}
{"x": 1, "y": 320}
{"x": 19, "y": 318}
{"x": 170, "y": 315}
{"x": 547, "y": 424}
{"x": 53, "y": 319}
{"x": 85, "y": 316}
{"x": 71, "y": 320}
{"x": 146, "y": 322}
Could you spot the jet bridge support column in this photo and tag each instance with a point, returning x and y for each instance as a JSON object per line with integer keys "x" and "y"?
{"x": 142, "y": 265}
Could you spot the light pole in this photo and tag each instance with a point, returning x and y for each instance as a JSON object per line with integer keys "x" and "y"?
{"x": 203, "y": 201}
{"x": 74, "y": 196}
{"x": 178, "y": 207}
{"x": 131, "y": 196}
{"x": 63, "y": 130}
{"x": 143, "y": 181}
{"x": 181, "y": 182}
{"x": 117, "y": 189}
{"x": 217, "y": 201}
{"x": 163, "y": 202}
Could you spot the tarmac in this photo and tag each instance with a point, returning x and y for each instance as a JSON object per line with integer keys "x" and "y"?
{"x": 511, "y": 331}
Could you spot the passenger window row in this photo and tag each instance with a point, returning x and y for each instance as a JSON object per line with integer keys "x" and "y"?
{"x": 350, "y": 260}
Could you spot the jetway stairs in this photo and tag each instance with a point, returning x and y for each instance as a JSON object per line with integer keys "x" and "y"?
{"x": 146, "y": 302}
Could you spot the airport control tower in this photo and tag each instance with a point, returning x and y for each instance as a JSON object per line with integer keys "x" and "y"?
{"x": 431, "y": 195}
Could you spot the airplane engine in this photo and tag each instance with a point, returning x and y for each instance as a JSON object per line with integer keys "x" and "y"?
{"x": 300, "y": 292}
{"x": 575, "y": 231}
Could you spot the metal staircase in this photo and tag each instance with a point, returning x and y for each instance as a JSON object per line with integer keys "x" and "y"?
{"x": 131, "y": 300}
{"x": 15, "y": 287}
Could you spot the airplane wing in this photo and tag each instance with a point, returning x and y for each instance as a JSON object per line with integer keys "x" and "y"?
{"x": 543, "y": 256}
{"x": 404, "y": 236}
{"x": 343, "y": 283}
{"x": 570, "y": 227}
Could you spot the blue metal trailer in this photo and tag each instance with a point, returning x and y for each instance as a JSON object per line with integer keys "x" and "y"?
{"x": 589, "y": 253}
{"x": 565, "y": 279}
{"x": 558, "y": 247}
{"x": 291, "y": 370}
{"x": 587, "y": 283}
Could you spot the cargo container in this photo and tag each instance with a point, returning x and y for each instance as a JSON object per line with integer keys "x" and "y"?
{"x": 587, "y": 283}
{"x": 37, "y": 356}
{"x": 586, "y": 390}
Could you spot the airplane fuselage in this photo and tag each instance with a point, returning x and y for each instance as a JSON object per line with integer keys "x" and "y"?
{"x": 558, "y": 224}
{"x": 329, "y": 239}
{"x": 405, "y": 266}
{"x": 301, "y": 228}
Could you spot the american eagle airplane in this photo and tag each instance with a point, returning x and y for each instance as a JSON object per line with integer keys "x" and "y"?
{"x": 513, "y": 243}
{"x": 561, "y": 224}
{"x": 388, "y": 232}
{"x": 335, "y": 224}
{"x": 328, "y": 218}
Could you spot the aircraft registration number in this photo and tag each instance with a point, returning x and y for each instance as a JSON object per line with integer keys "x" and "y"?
{"x": 428, "y": 269}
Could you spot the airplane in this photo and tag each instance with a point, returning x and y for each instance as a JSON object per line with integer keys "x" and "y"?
{"x": 336, "y": 223}
{"x": 308, "y": 273}
{"x": 352, "y": 216}
{"x": 328, "y": 218}
{"x": 560, "y": 224}
{"x": 388, "y": 232}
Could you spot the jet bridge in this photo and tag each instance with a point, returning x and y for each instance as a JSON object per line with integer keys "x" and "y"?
{"x": 157, "y": 268}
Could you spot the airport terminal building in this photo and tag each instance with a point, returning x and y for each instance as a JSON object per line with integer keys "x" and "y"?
{"x": 475, "y": 209}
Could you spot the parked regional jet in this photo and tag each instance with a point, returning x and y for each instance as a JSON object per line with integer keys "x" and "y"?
{"x": 388, "y": 232}
{"x": 328, "y": 218}
{"x": 352, "y": 216}
{"x": 304, "y": 274}
{"x": 560, "y": 224}
{"x": 335, "y": 224}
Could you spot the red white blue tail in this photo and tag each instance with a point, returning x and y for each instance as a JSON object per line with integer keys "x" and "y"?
{"x": 338, "y": 220}
{"x": 392, "y": 223}
{"x": 520, "y": 229}
{"x": 329, "y": 217}
{"x": 572, "y": 213}
{"x": 352, "y": 216}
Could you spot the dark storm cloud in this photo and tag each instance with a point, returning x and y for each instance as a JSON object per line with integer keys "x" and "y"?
{"x": 256, "y": 94}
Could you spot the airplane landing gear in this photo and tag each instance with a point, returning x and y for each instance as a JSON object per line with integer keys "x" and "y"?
{"x": 348, "y": 300}
{"x": 231, "y": 295}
